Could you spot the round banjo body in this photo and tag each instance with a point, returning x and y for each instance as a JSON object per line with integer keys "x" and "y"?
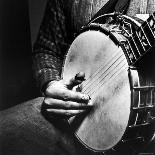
{"x": 122, "y": 95}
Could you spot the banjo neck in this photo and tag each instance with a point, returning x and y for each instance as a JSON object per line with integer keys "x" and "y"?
{"x": 142, "y": 40}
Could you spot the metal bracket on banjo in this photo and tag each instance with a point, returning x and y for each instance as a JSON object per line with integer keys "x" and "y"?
{"x": 146, "y": 108}
{"x": 139, "y": 108}
{"x": 144, "y": 88}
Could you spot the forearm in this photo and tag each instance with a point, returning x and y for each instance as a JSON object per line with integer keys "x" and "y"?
{"x": 51, "y": 44}
{"x": 46, "y": 68}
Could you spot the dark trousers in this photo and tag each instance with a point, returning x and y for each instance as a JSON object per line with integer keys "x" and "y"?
{"x": 25, "y": 131}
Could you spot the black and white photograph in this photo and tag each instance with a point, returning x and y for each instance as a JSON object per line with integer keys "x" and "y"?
{"x": 77, "y": 77}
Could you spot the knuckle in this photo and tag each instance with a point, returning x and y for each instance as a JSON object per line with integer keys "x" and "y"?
{"x": 67, "y": 104}
{"x": 67, "y": 113}
{"x": 77, "y": 95}
{"x": 48, "y": 91}
{"x": 81, "y": 111}
{"x": 65, "y": 96}
{"x": 46, "y": 101}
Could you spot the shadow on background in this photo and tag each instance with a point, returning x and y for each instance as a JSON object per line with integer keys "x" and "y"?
{"x": 16, "y": 80}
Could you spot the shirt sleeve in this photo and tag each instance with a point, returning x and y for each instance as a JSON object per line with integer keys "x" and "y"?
{"x": 51, "y": 44}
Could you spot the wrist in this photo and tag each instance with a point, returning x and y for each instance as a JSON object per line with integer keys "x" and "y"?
{"x": 46, "y": 85}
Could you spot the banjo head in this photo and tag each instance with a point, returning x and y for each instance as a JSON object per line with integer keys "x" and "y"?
{"x": 107, "y": 83}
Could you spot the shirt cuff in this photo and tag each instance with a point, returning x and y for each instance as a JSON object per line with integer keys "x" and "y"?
{"x": 46, "y": 75}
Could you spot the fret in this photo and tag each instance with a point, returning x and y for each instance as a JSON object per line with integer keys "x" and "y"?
{"x": 143, "y": 39}
{"x": 149, "y": 33}
{"x": 145, "y": 36}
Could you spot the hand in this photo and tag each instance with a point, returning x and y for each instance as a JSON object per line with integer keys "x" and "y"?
{"x": 62, "y": 101}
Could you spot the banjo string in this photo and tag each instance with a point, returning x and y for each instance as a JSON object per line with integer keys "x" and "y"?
{"x": 87, "y": 87}
{"x": 100, "y": 68}
{"x": 105, "y": 79}
{"x": 103, "y": 74}
{"x": 113, "y": 75}
{"x": 103, "y": 70}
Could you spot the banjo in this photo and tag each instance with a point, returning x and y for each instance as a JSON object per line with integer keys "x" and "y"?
{"x": 116, "y": 53}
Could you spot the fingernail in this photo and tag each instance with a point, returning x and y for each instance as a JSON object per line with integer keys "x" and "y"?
{"x": 80, "y": 76}
{"x": 89, "y": 97}
{"x": 85, "y": 97}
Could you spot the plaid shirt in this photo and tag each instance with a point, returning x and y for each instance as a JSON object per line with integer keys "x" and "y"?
{"x": 61, "y": 20}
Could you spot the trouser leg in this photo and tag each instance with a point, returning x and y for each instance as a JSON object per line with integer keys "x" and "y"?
{"x": 24, "y": 131}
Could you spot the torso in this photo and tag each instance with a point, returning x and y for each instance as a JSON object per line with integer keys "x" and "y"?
{"x": 82, "y": 11}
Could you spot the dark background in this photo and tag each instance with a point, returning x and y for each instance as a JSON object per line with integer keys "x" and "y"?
{"x": 17, "y": 18}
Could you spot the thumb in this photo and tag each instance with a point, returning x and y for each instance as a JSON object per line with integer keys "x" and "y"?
{"x": 76, "y": 80}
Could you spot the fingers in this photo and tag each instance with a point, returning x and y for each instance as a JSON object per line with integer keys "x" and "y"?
{"x": 68, "y": 95}
{"x": 60, "y": 104}
{"x": 62, "y": 89}
{"x": 64, "y": 113}
{"x": 78, "y": 79}
{"x": 61, "y": 100}
{"x": 63, "y": 109}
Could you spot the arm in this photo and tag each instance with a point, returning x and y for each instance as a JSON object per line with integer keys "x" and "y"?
{"x": 51, "y": 44}
{"x": 48, "y": 55}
